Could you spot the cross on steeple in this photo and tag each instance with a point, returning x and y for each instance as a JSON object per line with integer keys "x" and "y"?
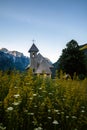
{"x": 33, "y": 41}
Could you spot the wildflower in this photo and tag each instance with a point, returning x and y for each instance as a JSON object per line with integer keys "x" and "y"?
{"x": 39, "y": 128}
{"x": 34, "y": 122}
{"x": 40, "y": 88}
{"x": 55, "y": 122}
{"x": 74, "y": 117}
{"x": 31, "y": 114}
{"x": 44, "y": 91}
{"x": 35, "y": 128}
{"x": 35, "y": 106}
{"x": 16, "y": 103}
{"x": 63, "y": 99}
{"x": 30, "y": 98}
{"x": 67, "y": 117}
{"x": 50, "y": 93}
{"x": 25, "y": 111}
{"x": 58, "y": 113}
{"x": 10, "y": 108}
{"x": 56, "y": 110}
{"x": 62, "y": 112}
{"x": 15, "y": 87}
{"x": 34, "y": 94}
{"x": 2, "y": 127}
{"x": 82, "y": 111}
{"x": 49, "y": 110}
{"x": 49, "y": 117}
{"x": 16, "y": 95}
{"x": 27, "y": 83}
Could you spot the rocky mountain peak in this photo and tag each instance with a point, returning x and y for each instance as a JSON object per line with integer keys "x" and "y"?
{"x": 12, "y": 60}
{"x": 4, "y": 50}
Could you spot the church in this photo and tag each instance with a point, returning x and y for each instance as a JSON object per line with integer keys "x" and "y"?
{"x": 39, "y": 64}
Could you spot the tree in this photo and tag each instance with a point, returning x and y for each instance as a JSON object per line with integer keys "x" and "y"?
{"x": 72, "y": 59}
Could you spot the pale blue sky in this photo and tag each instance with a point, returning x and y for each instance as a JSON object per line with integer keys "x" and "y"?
{"x": 52, "y": 23}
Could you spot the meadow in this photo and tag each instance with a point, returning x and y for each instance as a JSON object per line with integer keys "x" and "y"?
{"x": 29, "y": 102}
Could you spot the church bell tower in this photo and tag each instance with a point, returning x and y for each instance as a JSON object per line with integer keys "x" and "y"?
{"x": 33, "y": 57}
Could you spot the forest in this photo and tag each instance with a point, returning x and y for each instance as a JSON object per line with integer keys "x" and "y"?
{"x": 30, "y": 102}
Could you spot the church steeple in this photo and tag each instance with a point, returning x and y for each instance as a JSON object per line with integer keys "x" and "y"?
{"x": 33, "y": 48}
{"x": 33, "y": 56}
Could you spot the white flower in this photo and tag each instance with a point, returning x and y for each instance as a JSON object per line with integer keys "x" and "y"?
{"x": 74, "y": 117}
{"x": 16, "y": 103}
{"x": 15, "y": 87}
{"x": 49, "y": 117}
{"x": 62, "y": 112}
{"x": 35, "y": 106}
{"x": 10, "y": 108}
{"x": 58, "y": 113}
{"x": 50, "y": 93}
{"x": 25, "y": 111}
{"x": 30, "y": 98}
{"x": 16, "y": 95}
{"x": 67, "y": 117}
{"x": 2, "y": 128}
{"x": 27, "y": 83}
{"x": 55, "y": 122}
{"x": 39, "y": 128}
{"x": 56, "y": 110}
{"x": 49, "y": 110}
{"x": 44, "y": 91}
{"x": 31, "y": 114}
{"x": 35, "y": 128}
{"x": 82, "y": 111}
{"x": 40, "y": 88}
{"x": 34, "y": 94}
{"x": 63, "y": 99}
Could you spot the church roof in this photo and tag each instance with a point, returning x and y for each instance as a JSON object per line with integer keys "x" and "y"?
{"x": 33, "y": 48}
{"x": 43, "y": 68}
{"x": 48, "y": 62}
{"x": 39, "y": 58}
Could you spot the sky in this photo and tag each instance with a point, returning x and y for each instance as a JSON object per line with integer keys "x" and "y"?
{"x": 51, "y": 23}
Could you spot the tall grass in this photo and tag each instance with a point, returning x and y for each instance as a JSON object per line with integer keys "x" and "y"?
{"x": 30, "y": 102}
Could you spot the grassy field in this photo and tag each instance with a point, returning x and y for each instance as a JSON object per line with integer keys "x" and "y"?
{"x": 28, "y": 102}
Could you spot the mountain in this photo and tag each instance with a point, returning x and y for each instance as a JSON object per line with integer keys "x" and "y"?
{"x": 12, "y": 60}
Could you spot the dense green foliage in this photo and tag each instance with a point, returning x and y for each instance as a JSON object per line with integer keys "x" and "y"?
{"x": 72, "y": 59}
{"x": 83, "y": 48}
{"x": 29, "y": 102}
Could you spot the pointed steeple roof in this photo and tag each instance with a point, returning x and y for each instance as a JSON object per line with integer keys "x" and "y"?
{"x": 33, "y": 48}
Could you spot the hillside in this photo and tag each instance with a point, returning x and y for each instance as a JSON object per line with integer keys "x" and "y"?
{"x": 84, "y": 48}
{"x": 12, "y": 60}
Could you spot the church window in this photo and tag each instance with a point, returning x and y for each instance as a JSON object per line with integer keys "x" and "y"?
{"x": 33, "y": 54}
